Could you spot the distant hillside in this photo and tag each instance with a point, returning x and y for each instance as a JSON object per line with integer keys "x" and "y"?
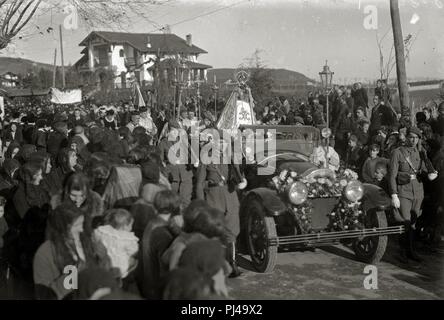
{"x": 280, "y": 76}
{"x": 20, "y": 66}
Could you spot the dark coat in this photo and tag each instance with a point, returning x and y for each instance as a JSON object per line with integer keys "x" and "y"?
{"x": 39, "y": 139}
{"x": 56, "y": 142}
{"x": 28, "y": 196}
{"x": 382, "y": 115}
{"x": 360, "y": 98}
{"x": 156, "y": 240}
{"x": 223, "y": 198}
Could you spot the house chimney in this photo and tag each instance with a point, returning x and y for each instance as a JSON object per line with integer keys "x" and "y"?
{"x": 189, "y": 40}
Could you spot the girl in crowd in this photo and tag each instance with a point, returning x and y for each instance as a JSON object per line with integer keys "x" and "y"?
{"x": 67, "y": 248}
{"x": 30, "y": 193}
{"x": 66, "y": 164}
{"x": 8, "y": 178}
{"x": 77, "y": 192}
{"x": 12, "y": 150}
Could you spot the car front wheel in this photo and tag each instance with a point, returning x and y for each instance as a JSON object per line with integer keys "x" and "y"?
{"x": 371, "y": 249}
{"x": 260, "y": 229}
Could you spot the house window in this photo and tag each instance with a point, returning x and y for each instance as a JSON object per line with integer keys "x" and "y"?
{"x": 122, "y": 53}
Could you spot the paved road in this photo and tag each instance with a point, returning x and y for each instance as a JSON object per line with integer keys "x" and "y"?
{"x": 332, "y": 273}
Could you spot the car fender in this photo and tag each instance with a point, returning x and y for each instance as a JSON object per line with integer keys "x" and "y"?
{"x": 375, "y": 198}
{"x": 270, "y": 199}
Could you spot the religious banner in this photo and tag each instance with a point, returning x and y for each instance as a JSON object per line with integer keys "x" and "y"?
{"x": 239, "y": 107}
{"x": 244, "y": 114}
{"x": 66, "y": 97}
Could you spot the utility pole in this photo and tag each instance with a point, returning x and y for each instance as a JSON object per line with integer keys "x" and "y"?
{"x": 55, "y": 69}
{"x": 61, "y": 52}
{"x": 400, "y": 60}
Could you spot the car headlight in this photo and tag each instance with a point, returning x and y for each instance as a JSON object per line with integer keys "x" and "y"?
{"x": 298, "y": 193}
{"x": 354, "y": 191}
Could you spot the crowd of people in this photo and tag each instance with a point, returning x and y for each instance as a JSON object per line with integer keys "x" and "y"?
{"x": 176, "y": 238}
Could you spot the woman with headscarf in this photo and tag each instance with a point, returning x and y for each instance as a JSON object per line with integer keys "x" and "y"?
{"x": 77, "y": 192}
{"x": 12, "y": 150}
{"x": 30, "y": 193}
{"x": 66, "y": 164}
{"x": 67, "y": 246}
{"x": 8, "y": 180}
{"x": 25, "y": 152}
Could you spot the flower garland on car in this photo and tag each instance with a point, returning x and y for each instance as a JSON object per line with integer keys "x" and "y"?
{"x": 343, "y": 217}
{"x": 346, "y": 216}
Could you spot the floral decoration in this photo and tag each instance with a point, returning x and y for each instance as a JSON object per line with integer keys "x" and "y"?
{"x": 345, "y": 216}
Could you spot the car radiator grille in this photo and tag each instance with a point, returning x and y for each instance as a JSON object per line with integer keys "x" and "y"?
{"x": 321, "y": 208}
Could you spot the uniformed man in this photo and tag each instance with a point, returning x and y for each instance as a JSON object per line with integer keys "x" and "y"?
{"x": 177, "y": 169}
{"x": 407, "y": 169}
{"x": 216, "y": 183}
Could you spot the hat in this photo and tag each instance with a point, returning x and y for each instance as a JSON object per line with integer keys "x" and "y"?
{"x": 206, "y": 256}
{"x": 414, "y": 130}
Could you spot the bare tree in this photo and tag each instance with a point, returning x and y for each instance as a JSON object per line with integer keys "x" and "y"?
{"x": 386, "y": 66}
{"x": 15, "y": 15}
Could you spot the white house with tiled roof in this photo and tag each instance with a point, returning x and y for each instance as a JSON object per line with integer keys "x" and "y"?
{"x": 126, "y": 52}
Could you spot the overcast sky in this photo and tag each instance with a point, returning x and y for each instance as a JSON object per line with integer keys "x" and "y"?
{"x": 297, "y": 35}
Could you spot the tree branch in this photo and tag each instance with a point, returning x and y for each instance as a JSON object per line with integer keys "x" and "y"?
{"x": 29, "y": 18}
{"x": 13, "y": 9}
{"x": 20, "y": 17}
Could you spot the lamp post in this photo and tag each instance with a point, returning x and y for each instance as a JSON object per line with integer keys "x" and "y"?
{"x": 215, "y": 88}
{"x": 326, "y": 78}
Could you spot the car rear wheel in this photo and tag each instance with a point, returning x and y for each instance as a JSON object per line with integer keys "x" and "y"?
{"x": 371, "y": 249}
{"x": 260, "y": 229}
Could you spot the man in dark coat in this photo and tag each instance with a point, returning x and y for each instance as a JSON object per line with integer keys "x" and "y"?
{"x": 382, "y": 115}
{"x": 342, "y": 126}
{"x": 360, "y": 97}
{"x": 58, "y": 139}
{"x": 216, "y": 184}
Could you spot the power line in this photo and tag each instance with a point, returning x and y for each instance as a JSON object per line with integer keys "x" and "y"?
{"x": 203, "y": 15}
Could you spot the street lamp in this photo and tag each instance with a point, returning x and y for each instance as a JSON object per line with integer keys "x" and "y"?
{"x": 326, "y": 78}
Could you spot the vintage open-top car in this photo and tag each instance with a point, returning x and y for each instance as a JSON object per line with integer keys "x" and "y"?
{"x": 296, "y": 204}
